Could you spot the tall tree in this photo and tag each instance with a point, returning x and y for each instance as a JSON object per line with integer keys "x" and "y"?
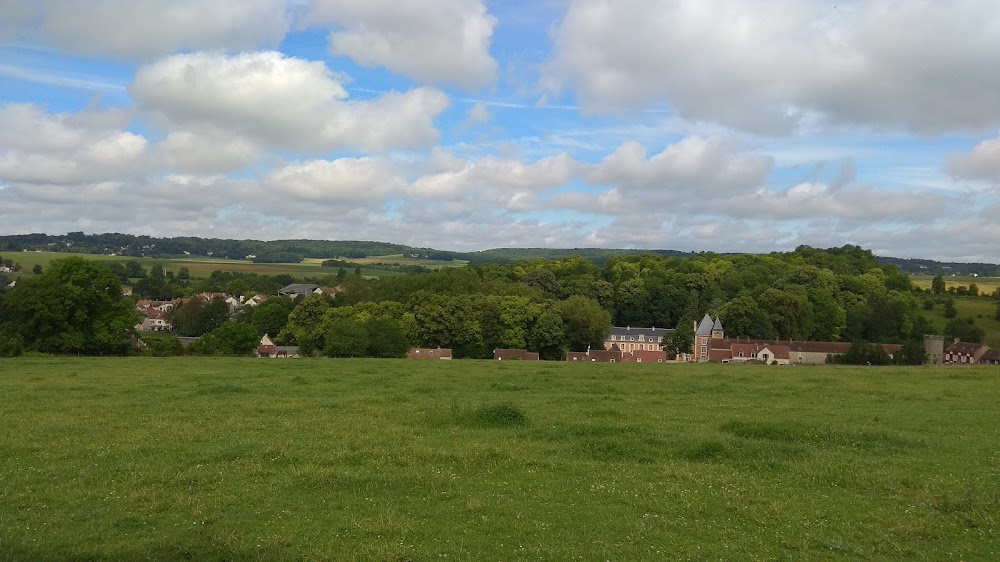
{"x": 937, "y": 285}
{"x": 75, "y": 307}
{"x": 585, "y": 323}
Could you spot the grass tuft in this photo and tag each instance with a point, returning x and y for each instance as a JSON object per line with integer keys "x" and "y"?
{"x": 504, "y": 414}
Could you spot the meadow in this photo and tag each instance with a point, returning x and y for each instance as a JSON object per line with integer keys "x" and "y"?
{"x": 248, "y": 459}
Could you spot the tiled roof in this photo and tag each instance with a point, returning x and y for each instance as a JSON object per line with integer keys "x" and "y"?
{"x": 964, "y": 348}
{"x": 827, "y": 347}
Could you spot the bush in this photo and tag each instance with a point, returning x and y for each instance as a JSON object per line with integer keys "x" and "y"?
{"x": 11, "y": 347}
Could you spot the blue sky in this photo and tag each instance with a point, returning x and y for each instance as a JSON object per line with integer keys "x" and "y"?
{"x": 725, "y": 125}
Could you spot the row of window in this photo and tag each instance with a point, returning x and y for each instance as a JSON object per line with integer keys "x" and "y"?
{"x": 632, "y": 338}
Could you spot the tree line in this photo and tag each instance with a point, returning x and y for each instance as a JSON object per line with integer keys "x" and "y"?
{"x": 549, "y": 306}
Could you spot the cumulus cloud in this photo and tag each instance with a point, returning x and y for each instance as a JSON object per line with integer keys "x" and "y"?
{"x": 712, "y": 164}
{"x": 207, "y": 150}
{"x": 283, "y": 102}
{"x": 510, "y": 183}
{"x": 144, "y": 29}
{"x": 41, "y": 148}
{"x": 769, "y": 67}
{"x": 431, "y": 41}
{"x": 337, "y": 181}
{"x": 982, "y": 163}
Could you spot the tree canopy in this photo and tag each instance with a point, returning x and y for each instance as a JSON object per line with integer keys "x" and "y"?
{"x": 76, "y": 306}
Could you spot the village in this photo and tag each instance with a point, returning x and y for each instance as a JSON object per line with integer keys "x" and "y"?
{"x": 624, "y": 344}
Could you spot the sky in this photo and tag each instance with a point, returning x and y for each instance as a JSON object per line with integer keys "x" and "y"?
{"x": 719, "y": 125}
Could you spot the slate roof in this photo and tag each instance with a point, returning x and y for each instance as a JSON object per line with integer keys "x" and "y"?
{"x": 717, "y": 325}
{"x": 298, "y": 289}
{"x": 705, "y": 328}
{"x": 628, "y": 331}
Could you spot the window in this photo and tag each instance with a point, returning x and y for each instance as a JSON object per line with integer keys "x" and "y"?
{"x": 633, "y": 338}
{"x": 642, "y": 338}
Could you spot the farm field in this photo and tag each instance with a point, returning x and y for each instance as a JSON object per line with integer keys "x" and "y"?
{"x": 248, "y": 459}
{"x": 986, "y": 284}
{"x": 199, "y": 267}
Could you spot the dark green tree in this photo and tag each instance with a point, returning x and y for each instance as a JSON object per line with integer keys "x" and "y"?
{"x": 964, "y": 329}
{"x": 949, "y": 308}
{"x": 912, "y": 353}
{"x": 547, "y": 337}
{"x": 37, "y": 269}
{"x": 232, "y": 338}
{"x": 134, "y": 269}
{"x": 585, "y": 323}
{"x": 543, "y": 280}
{"x": 269, "y": 318}
{"x": 75, "y": 307}
{"x": 385, "y": 339}
{"x": 345, "y": 337}
{"x": 937, "y": 285}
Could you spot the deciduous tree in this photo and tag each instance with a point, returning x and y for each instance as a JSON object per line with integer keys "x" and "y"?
{"x": 75, "y": 307}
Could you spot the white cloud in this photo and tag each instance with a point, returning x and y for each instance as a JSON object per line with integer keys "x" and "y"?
{"x": 207, "y": 150}
{"x": 713, "y": 165}
{"x": 41, "y": 148}
{"x": 344, "y": 180}
{"x": 494, "y": 179}
{"x": 283, "y": 102}
{"x": 144, "y": 29}
{"x": 768, "y": 66}
{"x": 982, "y": 163}
{"x": 431, "y": 41}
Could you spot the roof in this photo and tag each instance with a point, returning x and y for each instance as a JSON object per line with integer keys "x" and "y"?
{"x": 705, "y": 328}
{"x": 428, "y": 353}
{"x": 964, "y": 348}
{"x": 646, "y": 356}
{"x": 991, "y": 356}
{"x": 298, "y": 289}
{"x": 717, "y": 325}
{"x": 825, "y": 347}
{"x": 522, "y": 354}
{"x": 654, "y": 332}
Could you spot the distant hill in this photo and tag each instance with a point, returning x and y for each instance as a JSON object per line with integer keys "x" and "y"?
{"x": 285, "y": 251}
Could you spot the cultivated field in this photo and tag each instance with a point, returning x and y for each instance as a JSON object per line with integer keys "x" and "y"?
{"x": 986, "y": 284}
{"x": 198, "y": 267}
{"x": 245, "y": 459}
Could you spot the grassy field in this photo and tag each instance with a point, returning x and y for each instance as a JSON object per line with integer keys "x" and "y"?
{"x": 980, "y": 309}
{"x": 199, "y": 268}
{"x": 230, "y": 459}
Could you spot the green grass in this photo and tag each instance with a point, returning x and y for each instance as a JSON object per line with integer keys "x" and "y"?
{"x": 198, "y": 267}
{"x": 244, "y": 459}
{"x": 982, "y": 311}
